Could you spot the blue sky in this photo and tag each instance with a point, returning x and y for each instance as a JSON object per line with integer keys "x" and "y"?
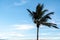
{"x": 15, "y": 22}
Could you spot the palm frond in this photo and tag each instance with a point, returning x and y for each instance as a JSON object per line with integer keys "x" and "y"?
{"x": 44, "y": 11}
{"x": 39, "y": 7}
{"x": 50, "y": 13}
{"x": 46, "y": 17}
{"x": 39, "y": 10}
{"x": 34, "y": 15}
{"x": 50, "y": 24}
{"x": 30, "y": 12}
{"x": 42, "y": 6}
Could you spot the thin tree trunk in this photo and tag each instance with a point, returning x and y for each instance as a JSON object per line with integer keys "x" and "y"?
{"x": 37, "y": 32}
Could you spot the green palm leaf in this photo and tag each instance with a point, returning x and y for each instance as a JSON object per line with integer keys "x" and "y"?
{"x": 30, "y": 12}
{"x": 46, "y": 17}
{"x": 50, "y": 24}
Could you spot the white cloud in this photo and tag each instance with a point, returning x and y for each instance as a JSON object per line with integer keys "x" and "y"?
{"x": 16, "y": 34}
{"x": 10, "y": 35}
{"x": 24, "y": 27}
{"x": 44, "y": 34}
{"x": 22, "y": 2}
{"x": 3, "y": 36}
{"x": 52, "y": 38}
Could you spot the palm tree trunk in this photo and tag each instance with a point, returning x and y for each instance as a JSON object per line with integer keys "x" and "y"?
{"x": 37, "y": 32}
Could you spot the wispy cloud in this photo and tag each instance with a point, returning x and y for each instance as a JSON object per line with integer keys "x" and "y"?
{"x": 50, "y": 38}
{"x": 9, "y": 35}
{"x": 22, "y": 2}
{"x": 3, "y": 36}
{"x": 14, "y": 34}
{"x": 24, "y": 27}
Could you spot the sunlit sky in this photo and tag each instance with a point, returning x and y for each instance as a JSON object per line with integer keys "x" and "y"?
{"x": 15, "y": 22}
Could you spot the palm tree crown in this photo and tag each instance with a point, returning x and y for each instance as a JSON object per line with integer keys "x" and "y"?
{"x": 40, "y": 18}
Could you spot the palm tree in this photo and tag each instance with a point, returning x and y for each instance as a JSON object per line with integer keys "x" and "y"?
{"x": 40, "y": 18}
